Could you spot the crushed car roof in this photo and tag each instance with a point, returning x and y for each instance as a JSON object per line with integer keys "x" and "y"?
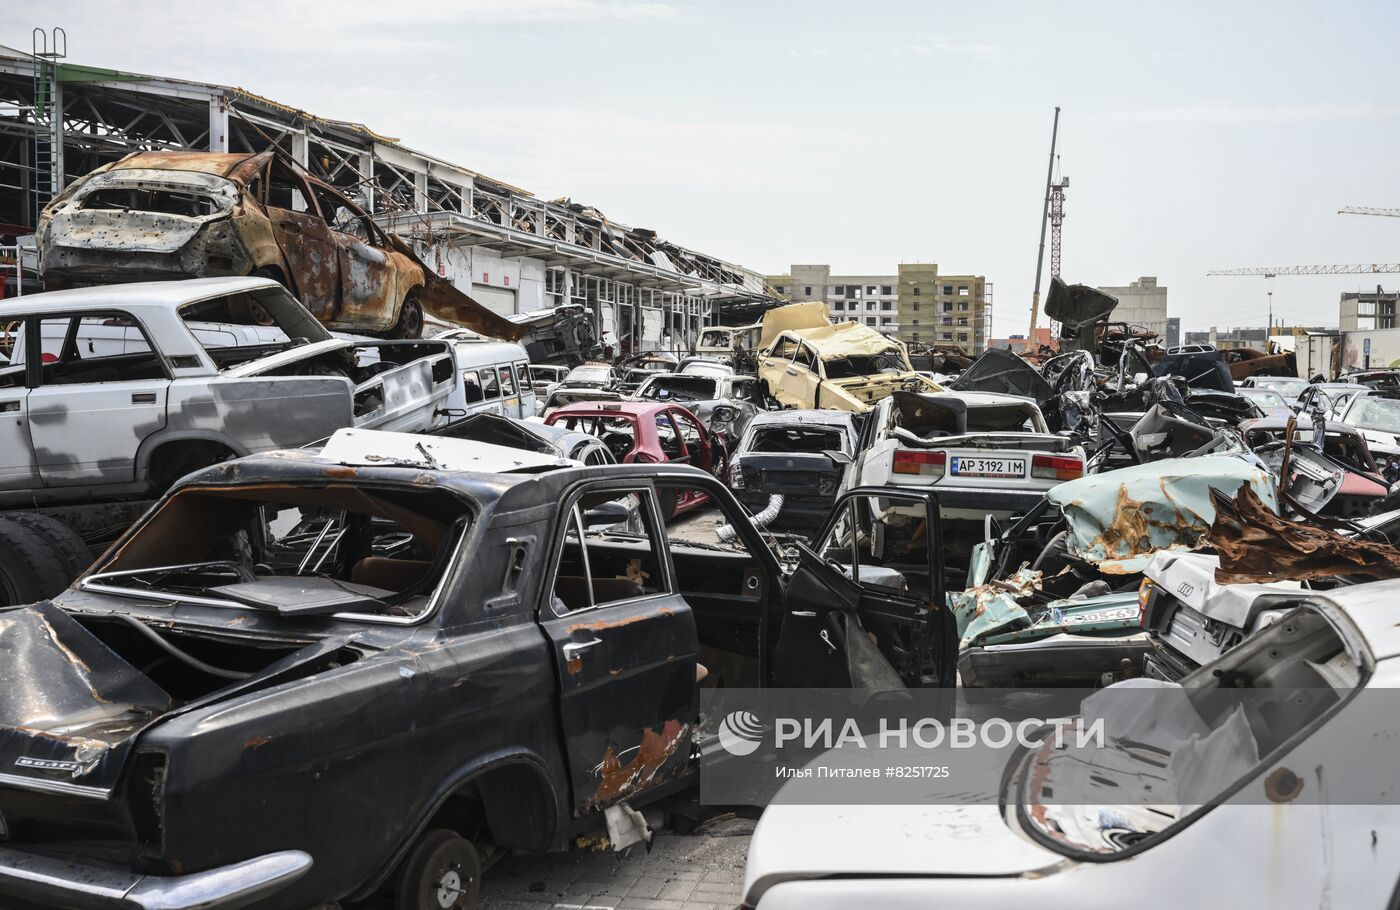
{"x": 141, "y": 294}
{"x": 374, "y": 447}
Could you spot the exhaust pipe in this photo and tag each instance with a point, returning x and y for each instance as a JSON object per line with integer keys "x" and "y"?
{"x": 726, "y": 533}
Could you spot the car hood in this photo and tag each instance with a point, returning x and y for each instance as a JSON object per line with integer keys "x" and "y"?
{"x": 807, "y": 842}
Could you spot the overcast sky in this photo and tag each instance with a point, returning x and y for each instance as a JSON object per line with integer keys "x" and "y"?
{"x": 1195, "y": 135}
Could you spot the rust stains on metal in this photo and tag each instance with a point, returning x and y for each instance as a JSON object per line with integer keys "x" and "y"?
{"x": 257, "y": 742}
{"x": 1283, "y": 786}
{"x": 575, "y": 665}
{"x": 603, "y": 624}
{"x": 619, "y": 779}
{"x": 1255, "y": 545}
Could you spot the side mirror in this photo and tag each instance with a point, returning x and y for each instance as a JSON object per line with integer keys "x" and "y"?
{"x": 723, "y": 414}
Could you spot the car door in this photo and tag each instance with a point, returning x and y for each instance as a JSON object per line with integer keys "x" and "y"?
{"x": 874, "y": 577}
{"x": 305, "y": 240}
{"x": 625, "y": 644}
{"x": 800, "y": 379}
{"x": 91, "y": 410}
{"x": 368, "y": 284}
{"x": 18, "y": 470}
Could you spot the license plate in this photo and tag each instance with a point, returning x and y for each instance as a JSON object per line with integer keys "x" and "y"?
{"x": 988, "y": 467}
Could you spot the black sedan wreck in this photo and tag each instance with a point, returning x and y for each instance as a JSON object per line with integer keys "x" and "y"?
{"x": 303, "y": 678}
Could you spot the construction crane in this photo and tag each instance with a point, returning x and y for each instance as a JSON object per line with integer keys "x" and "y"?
{"x": 1271, "y": 271}
{"x": 1367, "y": 210}
{"x": 1044, "y": 219}
{"x": 1057, "y": 220}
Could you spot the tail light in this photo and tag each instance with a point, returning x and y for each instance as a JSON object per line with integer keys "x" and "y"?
{"x": 924, "y": 464}
{"x": 736, "y": 476}
{"x": 1057, "y": 467}
{"x": 1144, "y": 595}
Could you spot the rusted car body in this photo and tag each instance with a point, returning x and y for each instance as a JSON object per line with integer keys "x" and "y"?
{"x": 164, "y": 215}
{"x": 173, "y": 729}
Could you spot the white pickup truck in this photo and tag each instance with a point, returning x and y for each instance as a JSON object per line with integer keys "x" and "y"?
{"x": 983, "y": 453}
{"x": 130, "y": 387}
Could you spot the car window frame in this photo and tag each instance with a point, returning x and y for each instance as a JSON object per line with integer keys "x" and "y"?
{"x": 34, "y": 366}
{"x": 661, "y": 550}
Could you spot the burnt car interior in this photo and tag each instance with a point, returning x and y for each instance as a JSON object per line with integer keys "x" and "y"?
{"x": 1254, "y": 701}
{"x": 292, "y": 551}
{"x": 618, "y": 432}
{"x": 150, "y": 199}
{"x": 890, "y": 360}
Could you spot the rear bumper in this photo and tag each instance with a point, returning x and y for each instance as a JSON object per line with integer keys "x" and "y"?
{"x": 58, "y": 883}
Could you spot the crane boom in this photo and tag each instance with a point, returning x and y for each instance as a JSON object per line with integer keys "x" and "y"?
{"x": 1368, "y": 210}
{"x": 1268, "y": 271}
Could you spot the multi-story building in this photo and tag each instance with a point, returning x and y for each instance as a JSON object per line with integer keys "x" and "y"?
{"x": 1366, "y": 311}
{"x": 915, "y": 304}
{"x": 1141, "y": 303}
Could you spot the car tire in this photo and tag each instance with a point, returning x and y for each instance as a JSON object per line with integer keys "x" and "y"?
{"x": 441, "y": 872}
{"x": 73, "y": 552}
{"x": 31, "y": 569}
{"x": 410, "y": 324}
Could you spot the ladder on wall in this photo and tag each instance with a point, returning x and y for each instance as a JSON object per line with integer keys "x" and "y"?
{"x": 47, "y": 115}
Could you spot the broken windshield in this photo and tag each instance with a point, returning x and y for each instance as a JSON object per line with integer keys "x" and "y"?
{"x": 299, "y": 551}
{"x": 797, "y": 439}
{"x": 890, "y": 360}
{"x": 1372, "y": 413}
{"x": 679, "y": 388}
{"x": 237, "y": 328}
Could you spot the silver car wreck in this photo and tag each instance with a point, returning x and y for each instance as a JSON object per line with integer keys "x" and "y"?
{"x": 115, "y": 392}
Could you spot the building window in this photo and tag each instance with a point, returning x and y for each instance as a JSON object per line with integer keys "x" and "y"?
{"x": 948, "y": 289}
{"x": 947, "y": 307}
{"x": 887, "y": 305}
{"x": 962, "y": 306}
{"x": 947, "y": 336}
{"x": 962, "y": 290}
{"x": 870, "y": 291}
{"x": 915, "y": 321}
{"x": 916, "y": 306}
{"x": 962, "y": 336}
{"x": 870, "y": 320}
{"x": 916, "y": 292}
{"x": 914, "y": 337}
{"x": 807, "y": 291}
{"x": 886, "y": 290}
{"x": 962, "y": 320}
{"x": 839, "y": 305}
{"x": 852, "y": 291}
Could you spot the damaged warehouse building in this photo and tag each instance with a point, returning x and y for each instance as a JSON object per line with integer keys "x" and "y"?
{"x": 517, "y": 255}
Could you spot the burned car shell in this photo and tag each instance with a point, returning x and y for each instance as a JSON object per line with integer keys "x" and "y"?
{"x": 233, "y": 228}
{"x": 266, "y": 774}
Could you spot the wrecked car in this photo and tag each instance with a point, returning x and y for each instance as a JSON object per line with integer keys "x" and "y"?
{"x": 455, "y": 647}
{"x": 734, "y": 345}
{"x": 724, "y": 403}
{"x": 1339, "y": 478}
{"x": 1266, "y": 777}
{"x": 800, "y": 457}
{"x": 186, "y": 387}
{"x": 642, "y": 433}
{"x": 983, "y": 453}
{"x": 1376, "y": 413}
{"x": 529, "y": 435}
{"x": 168, "y": 215}
{"x": 808, "y": 362}
{"x": 1055, "y": 598}
{"x": 561, "y": 336}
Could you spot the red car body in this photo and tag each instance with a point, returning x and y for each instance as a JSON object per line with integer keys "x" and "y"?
{"x": 649, "y": 433}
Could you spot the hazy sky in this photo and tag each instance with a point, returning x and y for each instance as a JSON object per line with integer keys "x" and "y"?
{"x": 1195, "y": 135}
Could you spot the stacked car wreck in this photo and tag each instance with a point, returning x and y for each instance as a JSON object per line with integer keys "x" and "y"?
{"x": 302, "y": 542}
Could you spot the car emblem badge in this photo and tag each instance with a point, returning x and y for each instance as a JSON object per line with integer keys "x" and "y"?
{"x": 46, "y": 764}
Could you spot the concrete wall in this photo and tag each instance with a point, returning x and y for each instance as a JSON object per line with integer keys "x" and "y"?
{"x": 1143, "y": 303}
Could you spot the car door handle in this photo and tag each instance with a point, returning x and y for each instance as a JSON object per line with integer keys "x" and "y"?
{"x": 575, "y": 648}
{"x": 143, "y": 398}
{"x": 791, "y": 371}
{"x": 290, "y": 227}
{"x": 809, "y": 614}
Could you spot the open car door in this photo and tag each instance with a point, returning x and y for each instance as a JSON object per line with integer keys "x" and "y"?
{"x": 865, "y": 607}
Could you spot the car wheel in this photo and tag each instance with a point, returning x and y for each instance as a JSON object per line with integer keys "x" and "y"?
{"x": 73, "y": 553}
{"x": 31, "y": 569}
{"x": 410, "y": 324}
{"x": 441, "y": 872}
